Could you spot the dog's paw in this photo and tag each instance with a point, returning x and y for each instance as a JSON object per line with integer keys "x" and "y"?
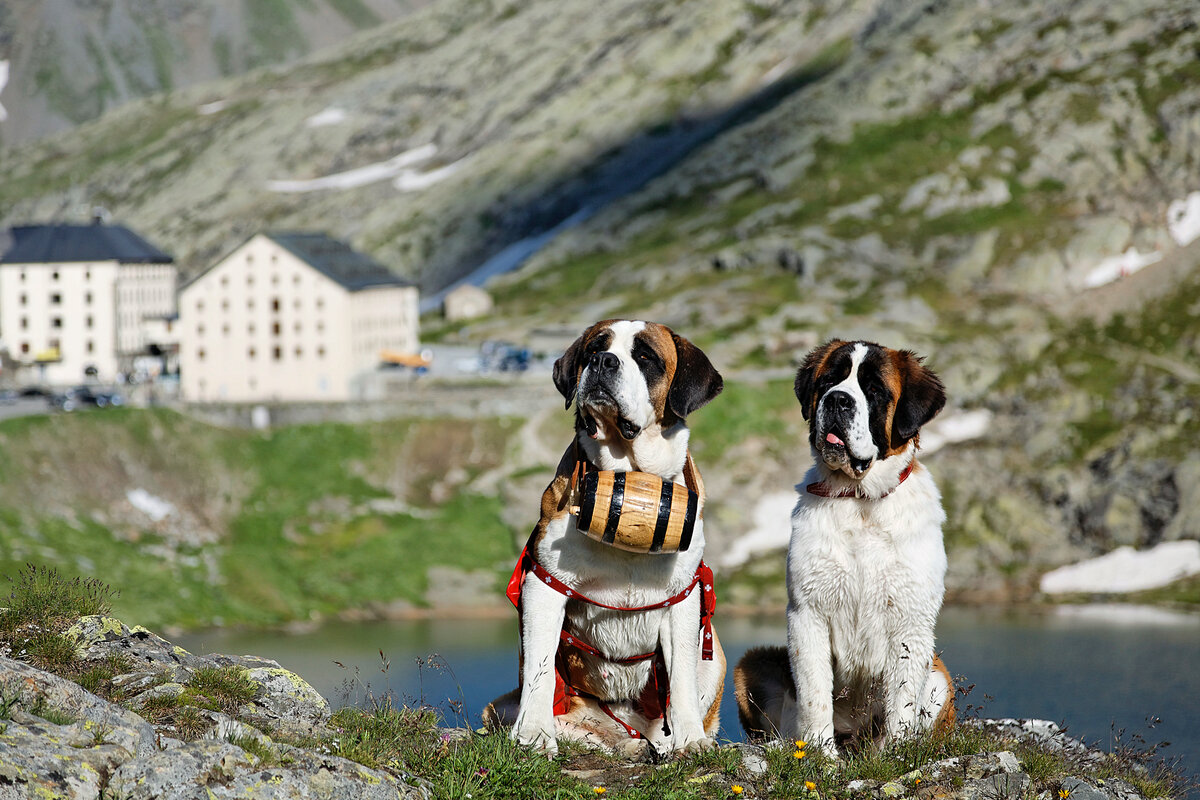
{"x": 694, "y": 744}
{"x": 537, "y": 737}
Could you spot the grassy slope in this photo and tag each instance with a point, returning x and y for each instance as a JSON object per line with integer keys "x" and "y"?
{"x": 294, "y": 535}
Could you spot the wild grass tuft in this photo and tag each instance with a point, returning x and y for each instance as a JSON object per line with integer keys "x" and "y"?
{"x": 224, "y": 689}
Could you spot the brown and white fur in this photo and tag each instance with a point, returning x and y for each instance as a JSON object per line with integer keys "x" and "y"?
{"x": 633, "y": 384}
{"x": 865, "y": 574}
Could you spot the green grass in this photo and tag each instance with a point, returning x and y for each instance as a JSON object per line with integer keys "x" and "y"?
{"x": 744, "y": 410}
{"x": 291, "y": 511}
{"x": 40, "y": 607}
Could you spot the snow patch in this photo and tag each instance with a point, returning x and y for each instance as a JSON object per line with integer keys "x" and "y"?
{"x": 361, "y": 176}
{"x": 214, "y": 107}
{"x": 3, "y": 83}
{"x": 330, "y": 116}
{"x": 1183, "y": 218}
{"x": 772, "y": 528}
{"x": 1127, "y": 570}
{"x": 1114, "y": 267}
{"x": 411, "y": 180}
{"x": 961, "y": 427}
{"x": 153, "y": 507}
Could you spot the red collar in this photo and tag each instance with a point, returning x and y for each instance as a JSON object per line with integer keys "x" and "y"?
{"x": 823, "y": 490}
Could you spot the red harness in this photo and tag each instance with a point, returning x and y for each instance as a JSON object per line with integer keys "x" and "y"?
{"x": 656, "y": 696}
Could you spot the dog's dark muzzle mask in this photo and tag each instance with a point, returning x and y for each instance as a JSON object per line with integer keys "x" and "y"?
{"x": 597, "y": 397}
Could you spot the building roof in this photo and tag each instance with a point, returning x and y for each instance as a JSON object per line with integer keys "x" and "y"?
{"x": 337, "y": 261}
{"x": 64, "y": 243}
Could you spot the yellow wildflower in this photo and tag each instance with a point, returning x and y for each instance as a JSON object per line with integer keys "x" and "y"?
{"x": 599, "y": 789}
{"x": 801, "y": 744}
{"x": 1064, "y": 794}
{"x": 736, "y": 789}
{"x": 810, "y": 785}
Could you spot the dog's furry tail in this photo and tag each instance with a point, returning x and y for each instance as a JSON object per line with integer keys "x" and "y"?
{"x": 502, "y": 712}
{"x": 762, "y": 680}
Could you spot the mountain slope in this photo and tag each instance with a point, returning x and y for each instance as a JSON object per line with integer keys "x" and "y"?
{"x": 71, "y": 60}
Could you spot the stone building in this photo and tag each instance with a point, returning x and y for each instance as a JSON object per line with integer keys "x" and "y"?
{"x": 74, "y": 299}
{"x": 466, "y": 302}
{"x": 290, "y": 317}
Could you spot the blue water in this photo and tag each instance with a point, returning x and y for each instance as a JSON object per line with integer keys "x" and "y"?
{"x": 1094, "y": 671}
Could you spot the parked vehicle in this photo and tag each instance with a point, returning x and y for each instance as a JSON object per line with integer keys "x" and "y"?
{"x": 85, "y": 395}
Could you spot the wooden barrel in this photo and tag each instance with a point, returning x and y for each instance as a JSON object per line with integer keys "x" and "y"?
{"x": 636, "y": 511}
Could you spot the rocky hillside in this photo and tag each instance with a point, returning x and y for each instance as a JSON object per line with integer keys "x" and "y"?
{"x": 1007, "y": 188}
{"x": 70, "y": 61}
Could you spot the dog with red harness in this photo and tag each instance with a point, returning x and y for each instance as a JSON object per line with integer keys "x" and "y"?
{"x": 617, "y": 645}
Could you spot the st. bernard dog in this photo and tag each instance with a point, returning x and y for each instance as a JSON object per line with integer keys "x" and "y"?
{"x": 866, "y": 564}
{"x": 596, "y": 671}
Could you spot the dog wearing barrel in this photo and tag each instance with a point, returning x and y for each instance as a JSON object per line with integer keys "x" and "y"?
{"x": 865, "y": 565}
{"x": 617, "y": 647}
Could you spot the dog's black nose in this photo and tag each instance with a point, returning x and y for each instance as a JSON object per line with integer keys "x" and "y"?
{"x": 605, "y": 362}
{"x": 839, "y": 402}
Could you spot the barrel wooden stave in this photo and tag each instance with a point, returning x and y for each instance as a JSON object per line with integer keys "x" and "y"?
{"x": 636, "y": 511}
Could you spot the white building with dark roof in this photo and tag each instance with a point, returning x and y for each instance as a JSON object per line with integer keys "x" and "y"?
{"x": 74, "y": 298}
{"x": 290, "y": 317}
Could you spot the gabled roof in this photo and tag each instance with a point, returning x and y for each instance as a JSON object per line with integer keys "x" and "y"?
{"x": 64, "y": 243}
{"x": 337, "y": 261}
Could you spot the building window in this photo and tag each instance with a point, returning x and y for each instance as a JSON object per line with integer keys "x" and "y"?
{"x": 275, "y": 277}
{"x": 54, "y": 275}
{"x": 56, "y": 322}
{"x": 24, "y": 345}
{"x": 22, "y": 276}
{"x": 299, "y": 352}
{"x": 320, "y": 327}
{"x": 56, "y": 299}
{"x": 320, "y": 352}
{"x": 296, "y": 327}
{"x": 225, "y": 329}
{"x": 296, "y": 304}
{"x": 56, "y": 344}
{"x": 199, "y": 303}
{"x": 199, "y": 330}
{"x": 249, "y": 258}
{"x": 274, "y": 303}
{"x": 295, "y": 278}
{"x": 275, "y": 328}
{"x": 87, "y": 274}
{"x": 224, "y": 305}
{"x": 24, "y": 323}
{"x": 87, "y": 298}
{"x": 278, "y": 353}
{"x": 88, "y": 322}
{"x": 252, "y": 352}
{"x": 91, "y": 347}
{"x": 249, "y": 280}
{"x": 250, "y": 304}
{"x": 224, "y": 280}
{"x": 24, "y": 299}
{"x": 320, "y": 302}
{"x": 250, "y": 329}
{"x": 200, "y": 354}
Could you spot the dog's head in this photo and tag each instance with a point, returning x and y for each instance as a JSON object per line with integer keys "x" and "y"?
{"x": 626, "y": 376}
{"x": 864, "y": 402}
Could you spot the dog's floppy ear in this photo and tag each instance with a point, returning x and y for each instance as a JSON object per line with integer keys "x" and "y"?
{"x": 566, "y": 368}
{"x": 807, "y": 374}
{"x": 696, "y": 380}
{"x": 922, "y": 396}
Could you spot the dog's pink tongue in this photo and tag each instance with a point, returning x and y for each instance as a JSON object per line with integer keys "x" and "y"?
{"x": 833, "y": 439}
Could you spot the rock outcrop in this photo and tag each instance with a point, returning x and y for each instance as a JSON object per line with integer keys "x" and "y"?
{"x": 62, "y": 741}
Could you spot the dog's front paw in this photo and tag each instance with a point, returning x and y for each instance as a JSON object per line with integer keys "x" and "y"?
{"x": 539, "y": 737}
{"x": 691, "y": 745}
